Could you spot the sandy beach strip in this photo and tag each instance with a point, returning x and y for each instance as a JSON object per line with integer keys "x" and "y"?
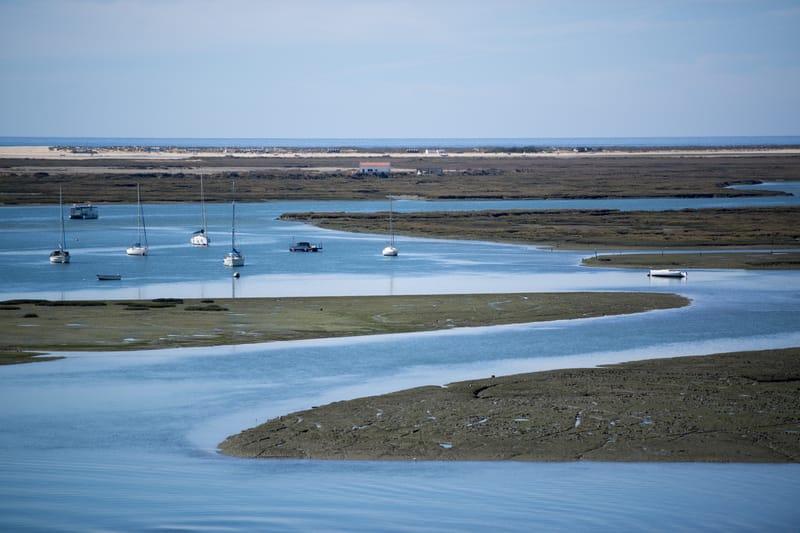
{"x": 142, "y": 153}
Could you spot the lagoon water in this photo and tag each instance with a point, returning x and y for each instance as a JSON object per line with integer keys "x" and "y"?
{"x": 127, "y": 441}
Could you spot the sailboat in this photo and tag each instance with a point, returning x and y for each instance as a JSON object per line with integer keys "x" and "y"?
{"x": 200, "y": 237}
{"x": 391, "y": 249}
{"x": 60, "y": 256}
{"x": 234, "y": 258}
{"x": 140, "y": 247}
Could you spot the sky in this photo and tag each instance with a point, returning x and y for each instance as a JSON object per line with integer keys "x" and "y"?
{"x": 399, "y": 69}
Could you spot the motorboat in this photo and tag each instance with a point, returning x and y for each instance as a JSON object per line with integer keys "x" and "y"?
{"x": 83, "y": 212}
{"x": 667, "y": 273}
{"x": 109, "y": 277}
{"x": 303, "y": 246}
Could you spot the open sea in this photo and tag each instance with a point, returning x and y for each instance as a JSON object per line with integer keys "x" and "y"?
{"x": 515, "y": 142}
{"x": 127, "y": 441}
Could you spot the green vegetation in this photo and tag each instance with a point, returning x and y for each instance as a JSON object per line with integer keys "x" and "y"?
{"x": 44, "y": 326}
{"x": 737, "y": 260}
{"x": 258, "y": 179}
{"x": 771, "y": 227}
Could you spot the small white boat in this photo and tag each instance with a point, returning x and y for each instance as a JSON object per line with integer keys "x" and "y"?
{"x": 234, "y": 258}
{"x": 200, "y": 237}
{"x": 60, "y": 256}
{"x": 140, "y": 247}
{"x": 667, "y": 273}
{"x": 109, "y": 277}
{"x": 391, "y": 249}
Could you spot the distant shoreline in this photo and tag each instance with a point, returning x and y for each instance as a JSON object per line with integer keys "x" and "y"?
{"x": 179, "y": 153}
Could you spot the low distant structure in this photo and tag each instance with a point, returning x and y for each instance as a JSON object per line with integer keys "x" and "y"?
{"x": 434, "y": 171}
{"x": 377, "y": 167}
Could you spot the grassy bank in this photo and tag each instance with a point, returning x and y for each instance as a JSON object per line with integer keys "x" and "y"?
{"x": 738, "y": 407}
{"x": 737, "y": 260}
{"x": 37, "y": 181}
{"x": 41, "y": 325}
{"x": 770, "y": 227}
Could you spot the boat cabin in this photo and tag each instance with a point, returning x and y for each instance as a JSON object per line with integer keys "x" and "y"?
{"x": 83, "y": 212}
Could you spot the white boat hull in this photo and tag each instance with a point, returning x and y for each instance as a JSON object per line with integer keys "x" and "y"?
{"x": 199, "y": 240}
{"x": 667, "y": 273}
{"x": 137, "y": 250}
{"x": 59, "y": 258}
{"x": 233, "y": 259}
{"x": 390, "y": 251}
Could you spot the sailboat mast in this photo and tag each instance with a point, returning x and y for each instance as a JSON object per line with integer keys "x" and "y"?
{"x": 144, "y": 227}
{"x": 62, "y": 244}
{"x": 203, "y": 205}
{"x": 138, "y": 215}
{"x": 391, "y": 223}
{"x": 233, "y": 218}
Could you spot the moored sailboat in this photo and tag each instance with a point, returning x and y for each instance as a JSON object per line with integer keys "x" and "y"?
{"x": 140, "y": 247}
{"x": 60, "y": 256}
{"x": 234, "y": 258}
{"x": 200, "y": 237}
{"x": 391, "y": 249}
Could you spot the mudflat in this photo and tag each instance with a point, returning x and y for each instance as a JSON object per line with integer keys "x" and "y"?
{"x": 735, "y": 407}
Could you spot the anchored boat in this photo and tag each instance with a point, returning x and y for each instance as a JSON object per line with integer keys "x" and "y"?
{"x": 234, "y": 258}
{"x": 140, "y": 247}
{"x": 303, "y": 246}
{"x": 391, "y": 249}
{"x": 200, "y": 237}
{"x": 60, "y": 256}
{"x": 666, "y": 273}
{"x": 83, "y": 212}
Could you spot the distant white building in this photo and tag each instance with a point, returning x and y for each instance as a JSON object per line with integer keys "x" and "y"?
{"x": 377, "y": 167}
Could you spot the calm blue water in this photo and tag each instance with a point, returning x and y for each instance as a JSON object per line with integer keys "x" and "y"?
{"x": 99, "y": 142}
{"x": 126, "y": 441}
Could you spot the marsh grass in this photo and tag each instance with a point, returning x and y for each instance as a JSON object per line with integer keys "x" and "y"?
{"x": 771, "y": 227}
{"x": 31, "y": 181}
{"x": 126, "y": 325}
{"x": 705, "y": 260}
